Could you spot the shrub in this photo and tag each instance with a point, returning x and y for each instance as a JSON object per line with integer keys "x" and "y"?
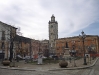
{"x": 6, "y": 62}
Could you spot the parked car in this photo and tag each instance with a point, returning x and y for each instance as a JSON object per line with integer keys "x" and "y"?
{"x": 19, "y": 57}
{"x": 55, "y": 57}
{"x": 28, "y": 57}
{"x": 44, "y": 57}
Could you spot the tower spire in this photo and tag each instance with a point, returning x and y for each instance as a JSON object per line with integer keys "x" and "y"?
{"x": 52, "y": 18}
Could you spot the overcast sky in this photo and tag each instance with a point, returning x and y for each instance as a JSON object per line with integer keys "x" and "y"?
{"x": 32, "y": 16}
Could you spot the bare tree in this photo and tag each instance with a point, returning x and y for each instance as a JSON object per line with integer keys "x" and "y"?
{"x": 18, "y": 32}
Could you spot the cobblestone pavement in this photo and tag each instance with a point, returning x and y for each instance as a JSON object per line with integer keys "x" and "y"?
{"x": 22, "y": 64}
{"x": 89, "y": 71}
{"x": 95, "y": 69}
{"x": 63, "y": 72}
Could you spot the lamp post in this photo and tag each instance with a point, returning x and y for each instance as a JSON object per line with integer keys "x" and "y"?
{"x": 83, "y": 36}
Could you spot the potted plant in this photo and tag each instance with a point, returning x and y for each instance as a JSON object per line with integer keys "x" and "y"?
{"x": 6, "y": 62}
{"x": 63, "y": 64}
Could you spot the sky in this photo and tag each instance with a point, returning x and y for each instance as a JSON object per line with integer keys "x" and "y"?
{"x": 31, "y": 17}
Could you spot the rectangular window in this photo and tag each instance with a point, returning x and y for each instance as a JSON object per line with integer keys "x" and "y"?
{"x": 2, "y": 45}
{"x": 3, "y": 35}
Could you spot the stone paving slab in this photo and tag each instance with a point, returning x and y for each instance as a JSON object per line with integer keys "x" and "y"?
{"x": 48, "y": 67}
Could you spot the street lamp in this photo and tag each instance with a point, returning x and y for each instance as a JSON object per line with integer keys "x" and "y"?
{"x": 83, "y": 36}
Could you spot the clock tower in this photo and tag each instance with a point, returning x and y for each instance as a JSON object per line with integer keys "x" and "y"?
{"x": 53, "y": 34}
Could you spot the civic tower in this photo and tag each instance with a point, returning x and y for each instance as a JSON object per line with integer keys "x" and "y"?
{"x": 53, "y": 34}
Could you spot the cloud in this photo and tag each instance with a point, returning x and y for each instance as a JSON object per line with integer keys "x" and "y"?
{"x": 78, "y": 15}
{"x": 33, "y": 15}
{"x": 73, "y": 15}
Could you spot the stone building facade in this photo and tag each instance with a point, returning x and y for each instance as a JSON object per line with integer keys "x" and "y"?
{"x": 7, "y": 34}
{"x": 41, "y": 47}
{"x": 35, "y": 47}
{"x": 22, "y": 46}
{"x": 12, "y": 44}
{"x": 45, "y": 47}
{"x": 53, "y": 34}
{"x": 91, "y": 45}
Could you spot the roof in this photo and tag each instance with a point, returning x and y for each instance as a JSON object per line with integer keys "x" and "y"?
{"x": 77, "y": 37}
{"x": 7, "y": 25}
{"x": 53, "y": 16}
{"x": 22, "y": 39}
